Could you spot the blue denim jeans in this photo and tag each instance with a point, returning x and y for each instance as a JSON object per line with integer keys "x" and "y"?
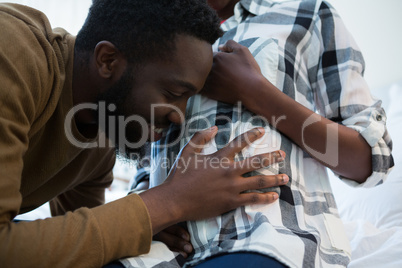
{"x": 241, "y": 260}
{"x": 232, "y": 260}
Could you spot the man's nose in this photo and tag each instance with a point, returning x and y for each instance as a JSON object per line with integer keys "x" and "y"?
{"x": 177, "y": 116}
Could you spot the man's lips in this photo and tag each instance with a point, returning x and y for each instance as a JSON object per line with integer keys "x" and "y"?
{"x": 156, "y": 133}
{"x": 157, "y": 130}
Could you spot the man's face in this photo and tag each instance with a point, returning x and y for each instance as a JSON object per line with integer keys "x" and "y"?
{"x": 155, "y": 96}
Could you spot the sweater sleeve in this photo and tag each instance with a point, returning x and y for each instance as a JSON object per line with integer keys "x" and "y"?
{"x": 83, "y": 238}
{"x": 91, "y": 192}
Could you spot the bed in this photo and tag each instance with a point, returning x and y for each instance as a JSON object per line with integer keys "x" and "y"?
{"x": 373, "y": 216}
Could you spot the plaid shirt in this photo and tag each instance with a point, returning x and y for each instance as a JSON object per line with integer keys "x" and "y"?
{"x": 304, "y": 49}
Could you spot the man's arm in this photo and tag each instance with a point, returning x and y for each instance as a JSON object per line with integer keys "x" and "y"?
{"x": 94, "y": 237}
{"x": 90, "y": 192}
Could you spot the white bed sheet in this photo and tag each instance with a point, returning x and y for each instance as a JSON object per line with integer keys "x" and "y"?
{"x": 374, "y": 247}
{"x": 373, "y": 217}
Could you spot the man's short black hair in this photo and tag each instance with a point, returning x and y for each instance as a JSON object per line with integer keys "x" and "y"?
{"x": 146, "y": 29}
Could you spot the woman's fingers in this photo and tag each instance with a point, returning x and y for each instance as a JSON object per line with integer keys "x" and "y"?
{"x": 178, "y": 231}
{"x": 176, "y": 239}
{"x": 230, "y": 46}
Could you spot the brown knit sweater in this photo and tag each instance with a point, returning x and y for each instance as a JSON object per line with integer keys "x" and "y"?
{"x": 39, "y": 164}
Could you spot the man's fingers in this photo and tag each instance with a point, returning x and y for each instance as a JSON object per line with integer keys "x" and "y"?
{"x": 200, "y": 138}
{"x": 240, "y": 142}
{"x": 263, "y": 181}
{"x": 259, "y": 161}
{"x": 257, "y": 198}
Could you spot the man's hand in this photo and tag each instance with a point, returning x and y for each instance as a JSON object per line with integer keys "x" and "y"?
{"x": 203, "y": 186}
{"x": 234, "y": 71}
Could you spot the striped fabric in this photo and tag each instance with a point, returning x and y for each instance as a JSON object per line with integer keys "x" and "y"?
{"x": 304, "y": 49}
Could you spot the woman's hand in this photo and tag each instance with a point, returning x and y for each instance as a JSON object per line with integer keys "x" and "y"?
{"x": 176, "y": 238}
{"x": 233, "y": 73}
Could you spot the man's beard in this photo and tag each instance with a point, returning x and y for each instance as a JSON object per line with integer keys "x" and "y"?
{"x": 121, "y": 135}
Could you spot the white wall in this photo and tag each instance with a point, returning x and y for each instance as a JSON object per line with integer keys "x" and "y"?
{"x": 68, "y": 14}
{"x": 376, "y": 26}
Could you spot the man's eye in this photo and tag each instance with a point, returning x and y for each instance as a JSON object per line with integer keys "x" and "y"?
{"x": 175, "y": 94}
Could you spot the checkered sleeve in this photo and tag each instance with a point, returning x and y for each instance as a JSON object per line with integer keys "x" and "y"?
{"x": 343, "y": 95}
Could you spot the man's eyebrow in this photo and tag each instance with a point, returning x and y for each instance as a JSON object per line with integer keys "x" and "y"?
{"x": 185, "y": 84}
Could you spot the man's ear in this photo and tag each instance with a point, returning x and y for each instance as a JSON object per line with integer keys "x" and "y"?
{"x": 110, "y": 63}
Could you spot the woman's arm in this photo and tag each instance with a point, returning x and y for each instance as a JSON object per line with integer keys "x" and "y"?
{"x": 237, "y": 77}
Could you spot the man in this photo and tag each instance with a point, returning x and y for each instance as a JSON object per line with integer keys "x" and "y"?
{"x": 123, "y": 74}
{"x": 307, "y": 63}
